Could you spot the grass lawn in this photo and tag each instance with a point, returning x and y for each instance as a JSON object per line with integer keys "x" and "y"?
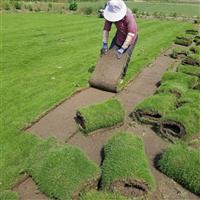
{"x": 45, "y": 58}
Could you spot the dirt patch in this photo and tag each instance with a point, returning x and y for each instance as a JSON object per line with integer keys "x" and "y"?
{"x": 129, "y": 188}
{"x": 28, "y": 190}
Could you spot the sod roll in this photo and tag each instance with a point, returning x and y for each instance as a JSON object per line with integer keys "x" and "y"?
{"x": 102, "y": 115}
{"x": 184, "y": 122}
{"x": 179, "y": 53}
{"x": 62, "y": 171}
{"x": 125, "y": 168}
{"x": 192, "y": 60}
{"x": 184, "y": 40}
{"x": 195, "y": 49}
{"x": 152, "y": 109}
{"x": 189, "y": 69}
{"x": 181, "y": 163}
{"x": 102, "y": 195}
{"x": 197, "y": 40}
{"x": 192, "y": 31}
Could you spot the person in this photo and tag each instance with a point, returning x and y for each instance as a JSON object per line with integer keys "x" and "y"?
{"x": 126, "y": 35}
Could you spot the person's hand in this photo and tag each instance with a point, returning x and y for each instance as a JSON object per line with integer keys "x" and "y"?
{"x": 120, "y": 52}
{"x": 104, "y": 49}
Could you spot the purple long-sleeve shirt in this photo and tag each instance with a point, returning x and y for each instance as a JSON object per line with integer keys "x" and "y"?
{"x": 124, "y": 26}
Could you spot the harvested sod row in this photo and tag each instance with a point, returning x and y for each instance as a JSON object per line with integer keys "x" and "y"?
{"x": 125, "y": 168}
{"x": 189, "y": 69}
{"x": 192, "y": 31}
{"x": 177, "y": 83}
{"x": 152, "y": 109}
{"x": 195, "y": 49}
{"x": 181, "y": 163}
{"x": 191, "y": 60}
{"x": 183, "y": 123}
{"x": 102, "y": 115}
{"x": 62, "y": 171}
{"x": 102, "y": 195}
{"x": 179, "y": 52}
{"x": 184, "y": 40}
{"x": 8, "y": 195}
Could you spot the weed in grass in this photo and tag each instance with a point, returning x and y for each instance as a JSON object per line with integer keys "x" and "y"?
{"x": 88, "y": 11}
{"x": 18, "y": 5}
{"x": 73, "y": 5}
{"x": 125, "y": 168}
{"x": 181, "y": 163}
{"x": 102, "y": 115}
{"x": 62, "y": 171}
{"x": 192, "y": 60}
{"x": 189, "y": 69}
{"x": 152, "y": 109}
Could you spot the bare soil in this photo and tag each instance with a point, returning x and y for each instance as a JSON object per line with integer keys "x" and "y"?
{"x": 61, "y": 124}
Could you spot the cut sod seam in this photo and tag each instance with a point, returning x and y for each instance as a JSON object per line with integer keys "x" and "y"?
{"x": 192, "y": 59}
{"x": 125, "y": 168}
{"x": 184, "y": 40}
{"x": 62, "y": 171}
{"x": 179, "y": 53}
{"x": 181, "y": 163}
{"x": 152, "y": 109}
{"x": 102, "y": 115}
{"x": 189, "y": 69}
{"x": 183, "y": 123}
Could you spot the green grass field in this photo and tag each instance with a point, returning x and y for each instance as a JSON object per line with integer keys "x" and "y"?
{"x": 45, "y": 58}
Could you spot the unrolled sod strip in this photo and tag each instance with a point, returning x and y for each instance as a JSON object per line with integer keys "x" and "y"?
{"x": 62, "y": 171}
{"x": 152, "y": 109}
{"x": 181, "y": 162}
{"x": 184, "y": 122}
{"x": 125, "y": 168}
{"x": 102, "y": 115}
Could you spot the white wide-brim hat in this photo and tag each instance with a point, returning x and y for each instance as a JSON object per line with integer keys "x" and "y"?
{"x": 115, "y": 10}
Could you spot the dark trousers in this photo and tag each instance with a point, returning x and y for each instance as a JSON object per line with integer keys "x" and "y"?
{"x": 129, "y": 51}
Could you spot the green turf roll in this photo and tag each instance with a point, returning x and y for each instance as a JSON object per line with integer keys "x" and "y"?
{"x": 192, "y": 60}
{"x": 183, "y": 40}
{"x": 8, "y": 195}
{"x": 189, "y": 69}
{"x": 177, "y": 83}
{"x": 152, "y": 109}
{"x": 179, "y": 52}
{"x": 102, "y": 195}
{"x": 102, "y": 115}
{"x": 195, "y": 49}
{"x": 181, "y": 163}
{"x": 62, "y": 171}
{"x": 197, "y": 40}
{"x": 125, "y": 168}
{"x": 184, "y": 122}
{"x": 192, "y": 31}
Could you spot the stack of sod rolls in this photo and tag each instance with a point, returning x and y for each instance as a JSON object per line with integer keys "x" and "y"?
{"x": 189, "y": 69}
{"x": 102, "y": 115}
{"x": 152, "y": 109}
{"x": 102, "y": 195}
{"x": 177, "y": 83}
{"x": 125, "y": 168}
{"x": 181, "y": 163}
{"x": 185, "y": 40}
{"x": 179, "y": 52}
{"x": 62, "y": 171}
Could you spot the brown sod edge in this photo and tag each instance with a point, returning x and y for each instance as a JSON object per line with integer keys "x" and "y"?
{"x": 130, "y": 188}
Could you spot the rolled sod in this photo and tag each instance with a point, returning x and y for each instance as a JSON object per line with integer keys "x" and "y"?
{"x": 181, "y": 163}
{"x": 152, "y": 109}
{"x": 189, "y": 69}
{"x": 195, "y": 49}
{"x": 62, "y": 171}
{"x": 197, "y": 40}
{"x": 102, "y": 115}
{"x": 184, "y": 40}
{"x": 177, "y": 83}
{"x": 192, "y": 60}
{"x": 184, "y": 122}
{"x": 8, "y": 195}
{"x": 125, "y": 168}
{"x": 102, "y": 195}
{"x": 179, "y": 52}
{"x": 192, "y": 31}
